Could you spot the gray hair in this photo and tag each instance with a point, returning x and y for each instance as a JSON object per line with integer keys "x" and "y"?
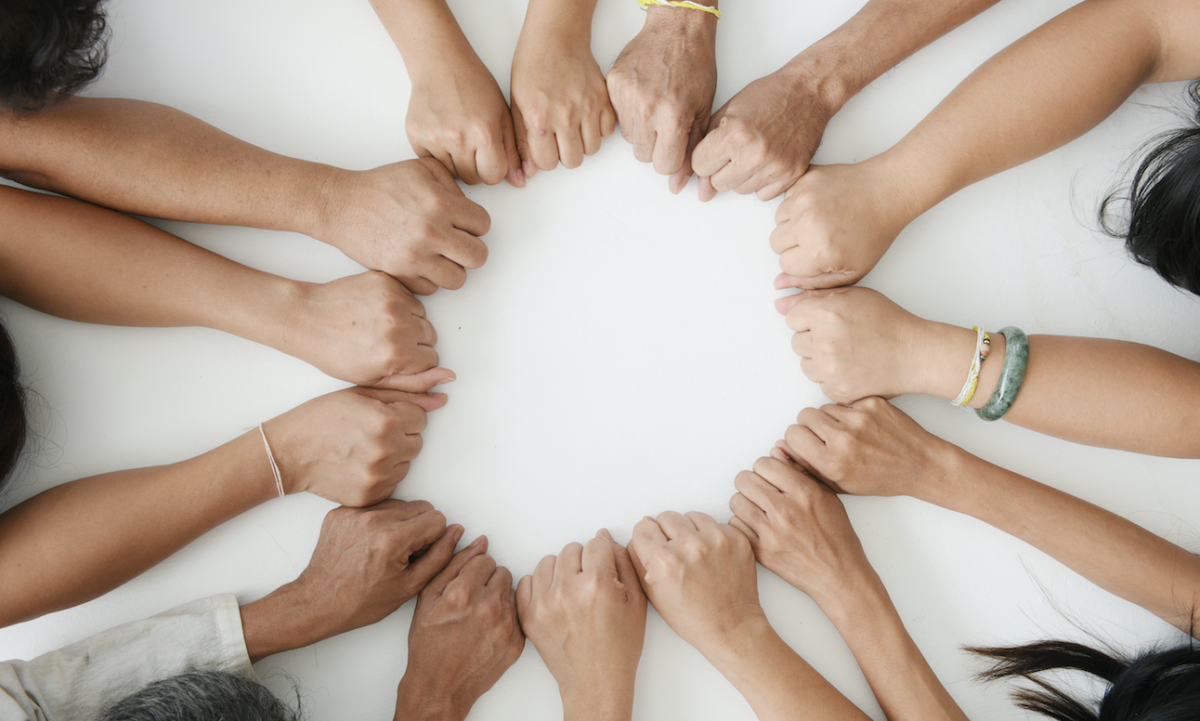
{"x": 201, "y": 696}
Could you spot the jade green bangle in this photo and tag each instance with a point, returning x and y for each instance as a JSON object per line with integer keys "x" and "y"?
{"x": 1016, "y": 358}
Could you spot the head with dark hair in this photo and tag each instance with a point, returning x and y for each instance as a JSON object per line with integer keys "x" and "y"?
{"x": 201, "y": 696}
{"x": 1158, "y": 685}
{"x": 1163, "y": 230}
{"x": 49, "y": 49}
{"x": 12, "y": 408}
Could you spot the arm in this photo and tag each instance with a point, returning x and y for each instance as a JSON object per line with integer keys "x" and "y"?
{"x": 463, "y": 637}
{"x": 799, "y": 530}
{"x": 761, "y": 141}
{"x": 408, "y": 219}
{"x": 585, "y": 612}
{"x": 88, "y": 264}
{"x": 456, "y": 113}
{"x": 1046, "y": 89}
{"x": 700, "y": 576}
{"x": 872, "y": 448}
{"x": 560, "y": 102}
{"x": 662, "y": 88}
{"x": 79, "y": 540}
{"x": 856, "y": 343}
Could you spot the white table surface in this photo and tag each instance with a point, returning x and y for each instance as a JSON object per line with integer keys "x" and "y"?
{"x": 618, "y": 355}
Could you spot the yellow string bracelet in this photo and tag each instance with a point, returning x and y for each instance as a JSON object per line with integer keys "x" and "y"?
{"x": 681, "y": 4}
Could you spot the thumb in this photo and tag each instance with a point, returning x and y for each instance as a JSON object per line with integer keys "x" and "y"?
{"x": 434, "y": 559}
{"x": 516, "y": 145}
{"x": 784, "y": 304}
{"x": 424, "y": 401}
{"x": 449, "y": 568}
{"x": 440, "y": 173}
{"x": 626, "y": 572}
{"x": 417, "y": 383}
{"x": 680, "y": 177}
{"x": 710, "y": 153}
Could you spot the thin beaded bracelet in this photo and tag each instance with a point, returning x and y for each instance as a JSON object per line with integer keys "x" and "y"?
{"x": 1016, "y": 359}
{"x": 681, "y": 4}
{"x": 983, "y": 345}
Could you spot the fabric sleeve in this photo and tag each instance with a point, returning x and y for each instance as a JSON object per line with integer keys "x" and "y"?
{"x": 78, "y": 682}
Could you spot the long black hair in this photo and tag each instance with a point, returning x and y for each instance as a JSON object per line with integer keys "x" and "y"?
{"x": 49, "y": 49}
{"x": 1160, "y": 684}
{"x": 13, "y": 425}
{"x": 1162, "y": 227}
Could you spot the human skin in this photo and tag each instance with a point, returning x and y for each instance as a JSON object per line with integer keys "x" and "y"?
{"x": 856, "y": 343}
{"x": 457, "y": 112}
{"x": 872, "y": 448}
{"x": 700, "y": 575}
{"x": 761, "y": 141}
{"x": 93, "y": 265}
{"x": 1046, "y": 89}
{"x": 585, "y": 612}
{"x": 560, "y": 104}
{"x": 76, "y": 541}
{"x": 367, "y": 563}
{"x": 407, "y": 219}
{"x": 799, "y": 529}
{"x": 463, "y": 637}
{"x": 662, "y": 88}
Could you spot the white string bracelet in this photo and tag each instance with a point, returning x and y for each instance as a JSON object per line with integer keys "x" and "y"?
{"x": 968, "y": 389}
{"x": 271, "y": 459}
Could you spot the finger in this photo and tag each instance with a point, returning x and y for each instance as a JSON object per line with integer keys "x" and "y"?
{"x": 447, "y": 162}
{"x": 783, "y": 280}
{"x": 415, "y": 385}
{"x": 706, "y": 191}
{"x": 428, "y": 337}
{"x": 734, "y": 176}
{"x": 805, "y": 444}
{"x": 784, "y": 304}
{"x": 753, "y": 486}
{"x": 570, "y": 563}
{"x": 774, "y": 189}
{"x": 478, "y": 570}
{"x": 818, "y": 421}
{"x": 781, "y": 452}
{"x": 543, "y": 573}
{"x": 528, "y": 166}
{"x": 570, "y": 147}
{"x": 418, "y": 285}
{"x": 712, "y": 152}
{"x": 420, "y": 531}
{"x": 515, "y": 174}
{"x": 745, "y": 529}
{"x": 598, "y": 558}
{"x": 524, "y": 598}
{"x": 501, "y": 578}
{"x": 473, "y": 219}
{"x": 675, "y": 524}
{"x": 749, "y": 513}
{"x": 590, "y": 132}
{"x": 491, "y": 159}
{"x": 670, "y": 146}
{"x": 544, "y": 148}
{"x": 448, "y": 274}
{"x": 608, "y": 120}
{"x": 680, "y": 179}
{"x": 626, "y": 572}
{"x": 438, "y": 556}
{"x": 705, "y": 524}
{"x": 647, "y": 532}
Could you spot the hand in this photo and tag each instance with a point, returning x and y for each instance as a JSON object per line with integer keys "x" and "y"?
{"x": 560, "y": 104}
{"x": 351, "y": 446}
{"x": 762, "y": 139}
{"x": 868, "y": 448}
{"x": 585, "y": 612}
{"x": 367, "y": 563}
{"x": 458, "y": 115}
{"x": 369, "y": 330}
{"x": 700, "y": 575}
{"x": 836, "y": 222}
{"x": 798, "y": 528}
{"x": 662, "y": 88}
{"x": 855, "y": 343}
{"x": 409, "y": 220}
{"x": 464, "y": 636}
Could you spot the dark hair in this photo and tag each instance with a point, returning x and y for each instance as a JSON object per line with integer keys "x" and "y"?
{"x": 1161, "y": 684}
{"x": 13, "y": 425}
{"x": 49, "y": 49}
{"x": 201, "y": 696}
{"x": 1163, "y": 229}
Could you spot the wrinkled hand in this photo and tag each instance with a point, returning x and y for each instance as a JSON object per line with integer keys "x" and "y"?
{"x": 463, "y": 637}
{"x": 797, "y": 526}
{"x": 367, "y": 329}
{"x": 409, "y": 220}
{"x": 560, "y": 104}
{"x": 458, "y": 115}
{"x": 662, "y": 88}
{"x": 585, "y": 612}
{"x": 369, "y": 561}
{"x": 351, "y": 446}
{"x": 762, "y": 139}
{"x": 836, "y": 222}
{"x": 868, "y": 448}
{"x": 700, "y": 576}
{"x": 855, "y": 343}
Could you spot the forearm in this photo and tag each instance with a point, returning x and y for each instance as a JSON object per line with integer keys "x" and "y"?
{"x": 898, "y": 673}
{"x": 568, "y": 21}
{"x": 79, "y": 540}
{"x": 84, "y": 263}
{"x": 1108, "y": 550}
{"x": 774, "y": 679}
{"x": 426, "y": 34}
{"x": 152, "y": 160}
{"x": 879, "y": 36}
{"x": 1044, "y": 90}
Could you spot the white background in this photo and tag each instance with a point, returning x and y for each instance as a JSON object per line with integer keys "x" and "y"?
{"x": 618, "y": 355}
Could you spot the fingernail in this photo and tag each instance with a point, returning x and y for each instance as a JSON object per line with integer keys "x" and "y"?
{"x": 477, "y": 542}
{"x": 781, "y": 282}
{"x": 444, "y": 381}
{"x": 647, "y": 518}
{"x": 458, "y": 533}
{"x": 603, "y": 533}
{"x": 528, "y": 168}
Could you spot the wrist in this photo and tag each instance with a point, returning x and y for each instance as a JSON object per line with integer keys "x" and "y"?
{"x": 694, "y": 23}
{"x": 607, "y": 699}
{"x": 944, "y": 354}
{"x": 286, "y": 619}
{"x": 417, "y": 700}
{"x": 550, "y": 22}
{"x": 821, "y": 74}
